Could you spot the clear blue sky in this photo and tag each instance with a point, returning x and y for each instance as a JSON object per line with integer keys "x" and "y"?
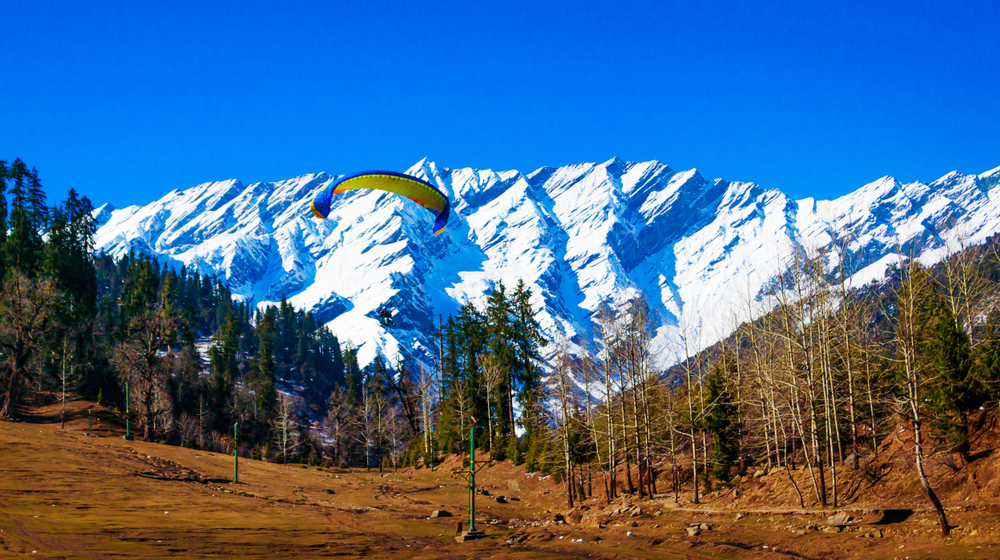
{"x": 127, "y": 100}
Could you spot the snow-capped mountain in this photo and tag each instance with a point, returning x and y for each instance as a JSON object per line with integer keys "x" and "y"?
{"x": 698, "y": 249}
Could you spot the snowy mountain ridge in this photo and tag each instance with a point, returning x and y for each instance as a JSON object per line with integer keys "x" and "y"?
{"x": 702, "y": 252}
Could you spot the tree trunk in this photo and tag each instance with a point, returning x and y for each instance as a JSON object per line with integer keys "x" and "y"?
{"x": 918, "y": 451}
{"x": 628, "y": 466}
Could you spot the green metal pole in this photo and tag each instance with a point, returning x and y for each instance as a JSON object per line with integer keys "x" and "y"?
{"x": 236, "y": 457}
{"x": 472, "y": 479}
{"x": 128, "y": 415}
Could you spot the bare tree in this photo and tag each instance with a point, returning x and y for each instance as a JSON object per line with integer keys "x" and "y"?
{"x": 26, "y": 309}
{"x": 564, "y": 393}
{"x": 689, "y": 335}
{"x": 137, "y": 362}
{"x": 605, "y": 328}
{"x": 189, "y": 427}
{"x": 913, "y": 292}
{"x": 337, "y": 424}
{"x": 638, "y": 357}
{"x": 369, "y": 418}
{"x": 428, "y": 392}
{"x": 395, "y": 429}
{"x": 283, "y": 427}
{"x": 592, "y": 380}
{"x": 464, "y": 407}
{"x": 66, "y": 378}
{"x": 968, "y": 289}
{"x": 618, "y": 365}
{"x": 493, "y": 375}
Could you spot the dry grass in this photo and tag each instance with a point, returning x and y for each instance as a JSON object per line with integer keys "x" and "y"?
{"x": 64, "y": 494}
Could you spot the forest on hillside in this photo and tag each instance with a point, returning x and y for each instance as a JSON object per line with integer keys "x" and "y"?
{"x": 187, "y": 364}
{"x": 825, "y": 374}
{"x": 814, "y": 384}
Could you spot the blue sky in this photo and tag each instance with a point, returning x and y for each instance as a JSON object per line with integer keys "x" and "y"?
{"x": 127, "y": 100}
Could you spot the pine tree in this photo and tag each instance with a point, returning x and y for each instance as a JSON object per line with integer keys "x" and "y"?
{"x": 185, "y": 386}
{"x": 499, "y": 330}
{"x": 38, "y": 213}
{"x": 266, "y": 393}
{"x": 352, "y": 373}
{"x": 472, "y": 337}
{"x": 140, "y": 289}
{"x": 223, "y": 359}
{"x": 449, "y": 426}
{"x": 987, "y": 366}
{"x": 4, "y": 175}
{"x": 722, "y": 417}
{"x": 22, "y": 246}
{"x": 527, "y": 339}
{"x": 954, "y": 392}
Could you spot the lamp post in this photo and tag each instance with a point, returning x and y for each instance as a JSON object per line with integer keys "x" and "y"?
{"x": 472, "y": 478}
{"x": 470, "y": 475}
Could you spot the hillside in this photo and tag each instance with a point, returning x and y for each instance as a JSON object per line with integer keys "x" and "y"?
{"x": 882, "y": 292}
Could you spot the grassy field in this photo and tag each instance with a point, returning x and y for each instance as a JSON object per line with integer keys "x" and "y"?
{"x": 66, "y": 494}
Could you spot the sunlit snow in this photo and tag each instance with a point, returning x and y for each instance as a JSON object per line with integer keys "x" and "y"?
{"x": 703, "y": 252}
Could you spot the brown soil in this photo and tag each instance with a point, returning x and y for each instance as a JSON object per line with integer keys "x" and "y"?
{"x": 67, "y": 494}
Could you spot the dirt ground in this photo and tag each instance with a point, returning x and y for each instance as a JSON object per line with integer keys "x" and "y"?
{"x": 67, "y": 494}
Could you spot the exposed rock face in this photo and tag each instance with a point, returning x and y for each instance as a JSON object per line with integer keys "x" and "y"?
{"x": 839, "y": 520}
{"x": 573, "y": 516}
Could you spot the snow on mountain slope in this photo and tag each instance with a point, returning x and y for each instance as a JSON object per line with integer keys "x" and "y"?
{"x": 701, "y": 251}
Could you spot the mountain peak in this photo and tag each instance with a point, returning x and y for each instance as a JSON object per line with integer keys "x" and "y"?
{"x": 614, "y": 163}
{"x": 424, "y": 169}
{"x": 102, "y": 214}
{"x": 578, "y": 235}
{"x": 995, "y": 172}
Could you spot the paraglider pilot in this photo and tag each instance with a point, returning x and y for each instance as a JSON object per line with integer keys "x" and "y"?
{"x": 385, "y": 316}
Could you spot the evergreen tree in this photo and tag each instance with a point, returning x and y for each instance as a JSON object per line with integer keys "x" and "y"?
{"x": 185, "y": 387}
{"x": 500, "y": 333}
{"x": 722, "y": 417}
{"x": 472, "y": 336}
{"x": 223, "y": 360}
{"x": 38, "y": 210}
{"x": 527, "y": 376}
{"x": 953, "y": 391}
{"x": 987, "y": 366}
{"x": 263, "y": 370}
{"x": 22, "y": 246}
{"x": 449, "y": 434}
{"x": 140, "y": 288}
{"x": 4, "y": 175}
{"x": 352, "y": 373}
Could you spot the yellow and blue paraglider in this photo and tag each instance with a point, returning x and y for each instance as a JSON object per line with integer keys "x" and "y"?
{"x": 421, "y": 192}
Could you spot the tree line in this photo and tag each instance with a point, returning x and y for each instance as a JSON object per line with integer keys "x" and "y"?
{"x": 486, "y": 378}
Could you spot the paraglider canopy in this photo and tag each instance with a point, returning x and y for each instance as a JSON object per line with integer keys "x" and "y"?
{"x": 419, "y": 191}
